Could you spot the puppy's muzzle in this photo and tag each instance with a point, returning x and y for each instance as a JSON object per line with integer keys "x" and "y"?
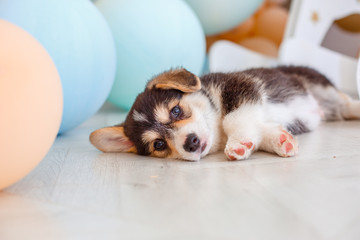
{"x": 192, "y": 143}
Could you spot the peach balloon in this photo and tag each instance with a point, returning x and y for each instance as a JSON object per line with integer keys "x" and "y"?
{"x": 210, "y": 40}
{"x": 278, "y": 2}
{"x": 260, "y": 45}
{"x": 261, "y": 9}
{"x": 30, "y": 103}
{"x": 235, "y": 35}
{"x": 271, "y": 23}
{"x": 240, "y": 32}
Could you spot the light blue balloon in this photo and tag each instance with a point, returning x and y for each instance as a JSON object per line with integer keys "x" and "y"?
{"x": 79, "y": 41}
{"x": 151, "y": 37}
{"x": 220, "y": 15}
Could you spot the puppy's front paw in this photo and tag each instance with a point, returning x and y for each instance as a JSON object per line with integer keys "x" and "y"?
{"x": 239, "y": 151}
{"x": 285, "y": 144}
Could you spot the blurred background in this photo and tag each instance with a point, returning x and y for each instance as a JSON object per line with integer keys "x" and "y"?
{"x": 261, "y": 32}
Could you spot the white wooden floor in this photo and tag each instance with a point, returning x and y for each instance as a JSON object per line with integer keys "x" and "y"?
{"x": 79, "y": 193}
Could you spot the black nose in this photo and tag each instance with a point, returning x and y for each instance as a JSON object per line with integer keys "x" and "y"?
{"x": 192, "y": 143}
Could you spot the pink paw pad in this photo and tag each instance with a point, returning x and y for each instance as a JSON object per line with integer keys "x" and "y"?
{"x": 240, "y": 151}
{"x": 282, "y": 138}
{"x": 287, "y": 145}
{"x": 231, "y": 157}
{"x": 285, "y": 136}
{"x": 249, "y": 145}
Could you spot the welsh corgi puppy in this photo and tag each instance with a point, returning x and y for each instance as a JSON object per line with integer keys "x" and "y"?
{"x": 180, "y": 115}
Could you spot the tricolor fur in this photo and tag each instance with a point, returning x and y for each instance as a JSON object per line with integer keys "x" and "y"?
{"x": 180, "y": 115}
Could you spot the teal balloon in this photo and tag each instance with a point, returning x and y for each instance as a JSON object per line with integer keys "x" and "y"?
{"x": 218, "y": 16}
{"x": 78, "y": 39}
{"x": 151, "y": 37}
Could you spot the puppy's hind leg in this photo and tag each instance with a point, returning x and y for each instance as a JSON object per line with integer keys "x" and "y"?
{"x": 335, "y": 105}
{"x": 350, "y": 109}
{"x": 277, "y": 140}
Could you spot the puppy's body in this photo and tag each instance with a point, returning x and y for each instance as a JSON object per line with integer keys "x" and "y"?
{"x": 181, "y": 116}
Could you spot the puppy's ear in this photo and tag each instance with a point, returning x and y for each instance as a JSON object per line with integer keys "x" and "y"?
{"x": 179, "y": 79}
{"x": 112, "y": 139}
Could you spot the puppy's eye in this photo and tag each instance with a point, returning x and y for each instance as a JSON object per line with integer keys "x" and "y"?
{"x": 176, "y": 111}
{"x": 159, "y": 145}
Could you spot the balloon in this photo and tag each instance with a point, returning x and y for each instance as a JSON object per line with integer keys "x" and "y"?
{"x": 235, "y": 35}
{"x": 271, "y": 24}
{"x": 219, "y": 16}
{"x": 30, "y": 103}
{"x": 278, "y": 2}
{"x": 358, "y": 76}
{"x": 151, "y": 37}
{"x": 78, "y": 39}
{"x": 239, "y": 32}
{"x": 260, "y": 45}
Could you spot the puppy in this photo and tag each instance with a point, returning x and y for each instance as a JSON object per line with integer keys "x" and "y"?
{"x": 180, "y": 115}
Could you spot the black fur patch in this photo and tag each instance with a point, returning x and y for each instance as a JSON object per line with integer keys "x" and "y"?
{"x": 236, "y": 89}
{"x": 309, "y": 75}
{"x": 297, "y": 127}
{"x": 279, "y": 87}
{"x": 145, "y": 104}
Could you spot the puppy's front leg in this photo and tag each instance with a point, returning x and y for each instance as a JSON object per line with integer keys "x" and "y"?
{"x": 243, "y": 129}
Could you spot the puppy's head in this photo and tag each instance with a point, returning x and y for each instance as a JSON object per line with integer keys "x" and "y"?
{"x": 169, "y": 119}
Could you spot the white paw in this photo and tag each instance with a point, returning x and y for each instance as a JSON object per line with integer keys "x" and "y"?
{"x": 239, "y": 150}
{"x": 285, "y": 145}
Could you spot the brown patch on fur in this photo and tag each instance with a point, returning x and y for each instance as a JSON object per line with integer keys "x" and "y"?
{"x": 181, "y": 123}
{"x": 161, "y": 114}
{"x": 132, "y": 150}
{"x": 179, "y": 79}
{"x": 158, "y": 154}
{"x": 149, "y": 136}
{"x": 170, "y": 151}
{"x": 173, "y": 152}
